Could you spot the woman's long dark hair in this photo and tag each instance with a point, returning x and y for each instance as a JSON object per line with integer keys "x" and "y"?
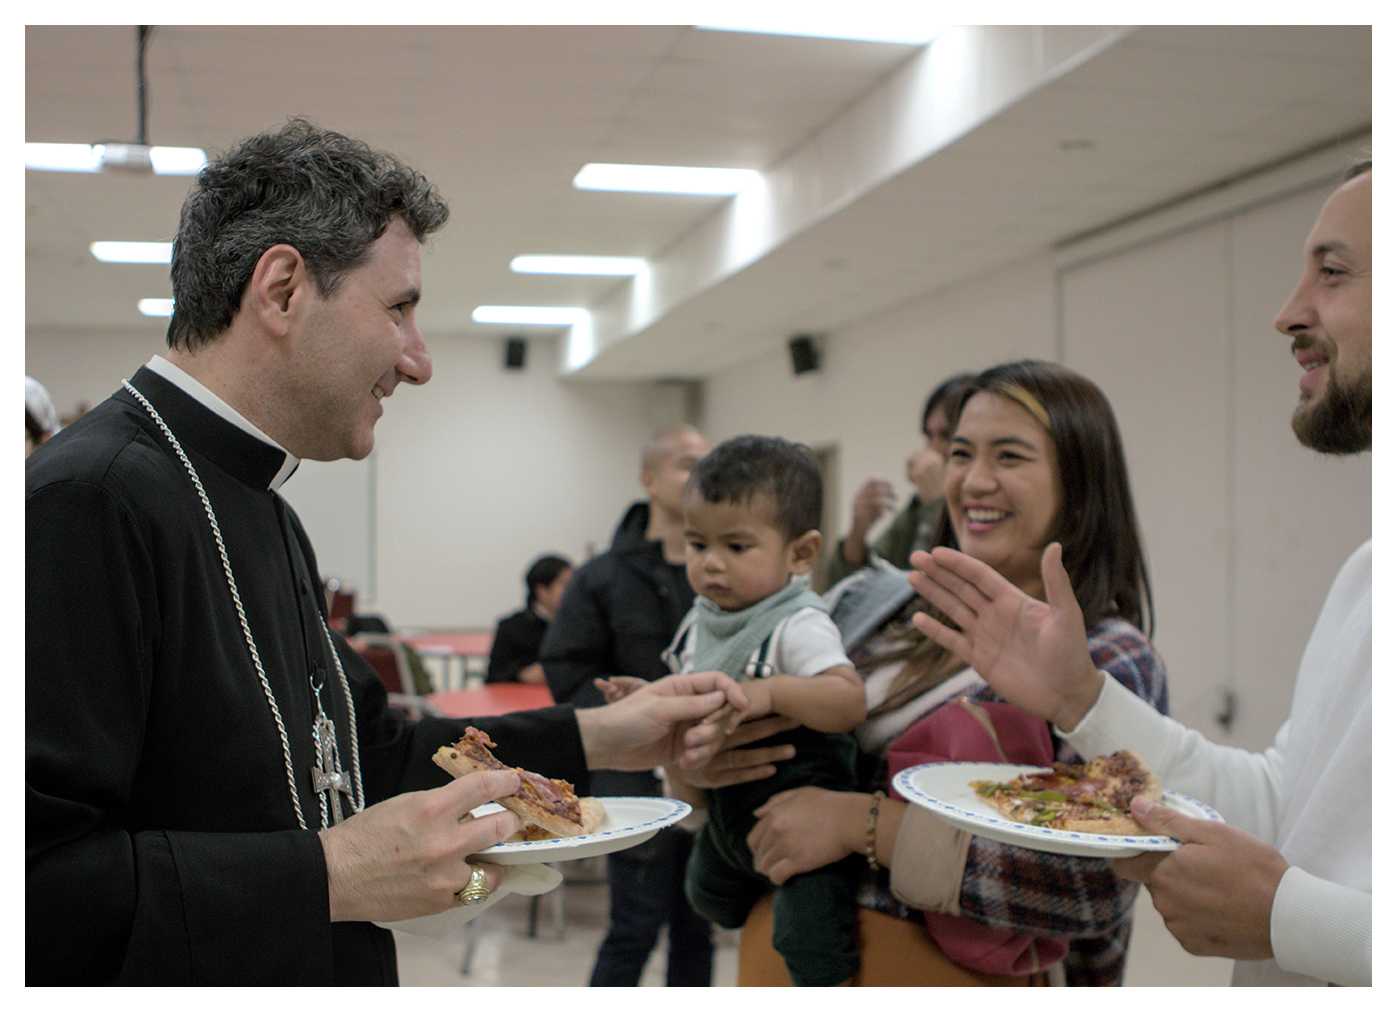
{"x": 1095, "y": 524}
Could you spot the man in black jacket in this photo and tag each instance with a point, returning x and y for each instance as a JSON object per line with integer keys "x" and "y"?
{"x": 617, "y": 617}
{"x": 213, "y": 778}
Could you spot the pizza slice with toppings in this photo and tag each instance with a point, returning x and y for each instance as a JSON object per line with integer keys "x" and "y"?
{"x": 1087, "y": 797}
{"x": 546, "y": 808}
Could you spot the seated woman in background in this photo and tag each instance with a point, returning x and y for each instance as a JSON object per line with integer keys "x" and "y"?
{"x": 514, "y": 651}
{"x": 1035, "y": 458}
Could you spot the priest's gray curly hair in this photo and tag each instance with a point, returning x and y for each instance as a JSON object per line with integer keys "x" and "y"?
{"x": 328, "y": 196}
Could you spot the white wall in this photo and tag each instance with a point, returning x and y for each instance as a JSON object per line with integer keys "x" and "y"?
{"x": 483, "y": 469}
{"x": 866, "y": 400}
{"x": 1244, "y": 528}
{"x": 85, "y": 367}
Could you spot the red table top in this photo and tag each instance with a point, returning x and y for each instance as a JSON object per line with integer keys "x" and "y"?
{"x": 492, "y": 700}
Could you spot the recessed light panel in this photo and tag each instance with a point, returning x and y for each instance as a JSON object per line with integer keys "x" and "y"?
{"x": 132, "y": 252}
{"x": 904, "y": 29}
{"x": 618, "y": 266}
{"x": 156, "y": 307}
{"x": 664, "y": 179}
{"x": 542, "y": 316}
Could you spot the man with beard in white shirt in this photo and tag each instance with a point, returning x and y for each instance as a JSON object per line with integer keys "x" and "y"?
{"x": 1284, "y": 886}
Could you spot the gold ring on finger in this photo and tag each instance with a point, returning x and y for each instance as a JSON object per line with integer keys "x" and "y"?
{"x": 477, "y": 890}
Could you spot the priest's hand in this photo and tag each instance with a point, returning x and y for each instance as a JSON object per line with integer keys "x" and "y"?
{"x": 645, "y": 728}
{"x": 408, "y": 856}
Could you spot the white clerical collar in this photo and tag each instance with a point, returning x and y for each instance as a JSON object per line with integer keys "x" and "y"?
{"x": 163, "y": 367}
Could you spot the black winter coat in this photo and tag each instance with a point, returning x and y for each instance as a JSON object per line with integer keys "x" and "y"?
{"x": 618, "y": 615}
{"x": 515, "y": 646}
{"x": 162, "y": 847}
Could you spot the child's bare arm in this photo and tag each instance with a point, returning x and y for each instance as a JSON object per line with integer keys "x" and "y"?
{"x": 832, "y": 701}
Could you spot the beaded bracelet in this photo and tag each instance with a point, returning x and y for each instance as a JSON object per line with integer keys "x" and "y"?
{"x": 870, "y": 848}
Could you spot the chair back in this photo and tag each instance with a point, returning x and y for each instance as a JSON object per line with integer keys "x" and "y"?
{"x": 387, "y": 657}
{"x": 340, "y": 603}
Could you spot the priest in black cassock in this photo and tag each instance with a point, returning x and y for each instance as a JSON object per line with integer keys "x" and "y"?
{"x": 214, "y": 781}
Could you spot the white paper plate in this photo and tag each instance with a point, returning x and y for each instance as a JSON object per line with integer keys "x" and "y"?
{"x": 628, "y": 822}
{"x": 521, "y": 879}
{"x": 944, "y": 788}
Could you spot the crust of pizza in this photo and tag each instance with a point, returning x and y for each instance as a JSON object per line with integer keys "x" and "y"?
{"x": 1090, "y": 797}
{"x": 592, "y": 813}
{"x": 540, "y": 802}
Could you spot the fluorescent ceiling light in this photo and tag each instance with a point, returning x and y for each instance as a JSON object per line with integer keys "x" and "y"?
{"x": 61, "y": 158}
{"x": 542, "y": 316}
{"x": 903, "y": 29}
{"x": 619, "y": 266}
{"x": 132, "y": 252}
{"x": 156, "y": 307}
{"x": 663, "y": 179}
{"x": 178, "y": 161}
{"x": 164, "y": 161}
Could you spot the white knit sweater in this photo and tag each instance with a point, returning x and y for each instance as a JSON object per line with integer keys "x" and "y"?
{"x": 1320, "y": 764}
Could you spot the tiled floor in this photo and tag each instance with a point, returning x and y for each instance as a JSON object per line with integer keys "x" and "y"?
{"x": 505, "y": 956}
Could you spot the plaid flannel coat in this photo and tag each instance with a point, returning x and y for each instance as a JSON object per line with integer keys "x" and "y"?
{"x": 1076, "y": 898}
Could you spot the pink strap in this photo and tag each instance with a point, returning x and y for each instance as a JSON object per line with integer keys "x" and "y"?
{"x": 962, "y": 731}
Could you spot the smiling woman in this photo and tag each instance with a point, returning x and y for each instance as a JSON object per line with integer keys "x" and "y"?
{"x": 1035, "y": 457}
{"x": 1002, "y": 489}
{"x": 1054, "y": 438}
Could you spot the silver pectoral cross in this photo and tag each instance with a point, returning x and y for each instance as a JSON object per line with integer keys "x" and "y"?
{"x": 327, "y": 776}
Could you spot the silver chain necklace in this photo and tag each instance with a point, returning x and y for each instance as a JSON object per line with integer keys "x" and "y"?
{"x": 328, "y": 776}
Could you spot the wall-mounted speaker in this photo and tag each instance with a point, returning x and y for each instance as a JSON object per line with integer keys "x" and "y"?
{"x": 805, "y": 356}
{"x": 514, "y": 351}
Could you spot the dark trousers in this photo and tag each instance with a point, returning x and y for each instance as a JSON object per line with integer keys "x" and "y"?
{"x": 815, "y": 914}
{"x": 647, "y": 893}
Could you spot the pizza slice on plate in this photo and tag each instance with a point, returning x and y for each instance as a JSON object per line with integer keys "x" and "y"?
{"x": 547, "y": 809}
{"x": 1086, "y": 797}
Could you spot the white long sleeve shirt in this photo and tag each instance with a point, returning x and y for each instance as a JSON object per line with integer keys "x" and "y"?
{"x": 1319, "y": 767}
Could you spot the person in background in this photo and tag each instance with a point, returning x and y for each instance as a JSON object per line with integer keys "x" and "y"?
{"x": 752, "y": 512}
{"x": 1036, "y": 456}
{"x": 216, "y": 790}
{"x": 1284, "y": 885}
{"x": 616, "y": 618}
{"x": 40, "y": 416}
{"x": 911, "y": 528}
{"x": 518, "y": 637}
